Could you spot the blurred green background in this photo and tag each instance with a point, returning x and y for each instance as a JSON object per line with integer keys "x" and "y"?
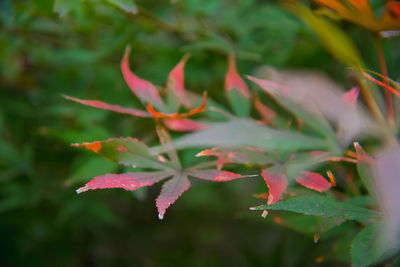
{"x": 43, "y": 55}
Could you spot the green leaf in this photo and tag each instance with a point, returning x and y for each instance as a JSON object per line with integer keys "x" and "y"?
{"x": 323, "y": 207}
{"x": 239, "y": 103}
{"x": 366, "y": 247}
{"x": 126, "y": 5}
{"x": 331, "y": 36}
{"x": 126, "y": 151}
{"x": 62, "y": 7}
{"x": 245, "y": 132}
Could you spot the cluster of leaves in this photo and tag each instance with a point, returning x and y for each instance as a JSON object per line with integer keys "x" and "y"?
{"x": 76, "y": 54}
{"x": 326, "y": 121}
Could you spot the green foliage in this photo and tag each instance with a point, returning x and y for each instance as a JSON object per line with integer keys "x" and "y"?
{"x": 49, "y": 48}
{"x": 323, "y": 207}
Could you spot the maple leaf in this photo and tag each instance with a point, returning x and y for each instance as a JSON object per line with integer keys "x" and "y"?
{"x": 148, "y": 94}
{"x": 132, "y": 152}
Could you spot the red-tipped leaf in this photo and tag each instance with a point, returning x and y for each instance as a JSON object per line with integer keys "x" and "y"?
{"x": 236, "y": 90}
{"x": 175, "y": 81}
{"x": 115, "y": 108}
{"x": 351, "y": 96}
{"x": 170, "y": 192}
{"x": 143, "y": 89}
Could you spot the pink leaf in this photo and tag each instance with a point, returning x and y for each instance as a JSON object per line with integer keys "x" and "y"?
{"x": 143, "y": 89}
{"x": 216, "y": 175}
{"x": 184, "y": 125}
{"x": 233, "y": 80}
{"x": 276, "y": 183}
{"x": 313, "y": 180}
{"x": 351, "y": 96}
{"x": 170, "y": 192}
{"x": 128, "y": 181}
{"x": 115, "y": 108}
{"x": 175, "y": 81}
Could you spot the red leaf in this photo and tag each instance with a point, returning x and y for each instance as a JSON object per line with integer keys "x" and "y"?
{"x": 143, "y": 89}
{"x": 184, "y": 125}
{"x": 175, "y": 81}
{"x": 233, "y": 80}
{"x": 170, "y": 192}
{"x": 216, "y": 175}
{"x": 313, "y": 180}
{"x": 116, "y": 108}
{"x": 128, "y": 181}
{"x": 351, "y": 96}
{"x": 276, "y": 183}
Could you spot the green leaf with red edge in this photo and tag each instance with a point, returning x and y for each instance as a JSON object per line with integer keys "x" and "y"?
{"x": 115, "y": 108}
{"x": 176, "y": 92}
{"x": 129, "y": 151}
{"x": 236, "y": 90}
{"x": 323, "y": 207}
{"x": 143, "y": 89}
{"x": 126, "y": 151}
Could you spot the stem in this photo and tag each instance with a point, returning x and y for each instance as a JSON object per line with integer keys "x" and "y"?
{"x": 369, "y": 100}
{"x": 384, "y": 71}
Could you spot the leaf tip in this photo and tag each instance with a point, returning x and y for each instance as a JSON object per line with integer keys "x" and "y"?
{"x": 82, "y": 189}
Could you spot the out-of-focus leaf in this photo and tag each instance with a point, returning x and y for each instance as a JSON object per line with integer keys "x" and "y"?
{"x": 332, "y": 37}
{"x": 126, "y": 151}
{"x": 386, "y": 171}
{"x": 62, "y": 7}
{"x": 126, "y": 5}
{"x": 184, "y": 125}
{"x": 313, "y": 180}
{"x": 364, "y": 168}
{"x": 237, "y": 91}
{"x": 239, "y": 155}
{"x": 245, "y": 132}
{"x": 214, "y": 175}
{"x": 366, "y": 247}
{"x": 323, "y": 207}
{"x": 351, "y": 96}
{"x": 322, "y": 97}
